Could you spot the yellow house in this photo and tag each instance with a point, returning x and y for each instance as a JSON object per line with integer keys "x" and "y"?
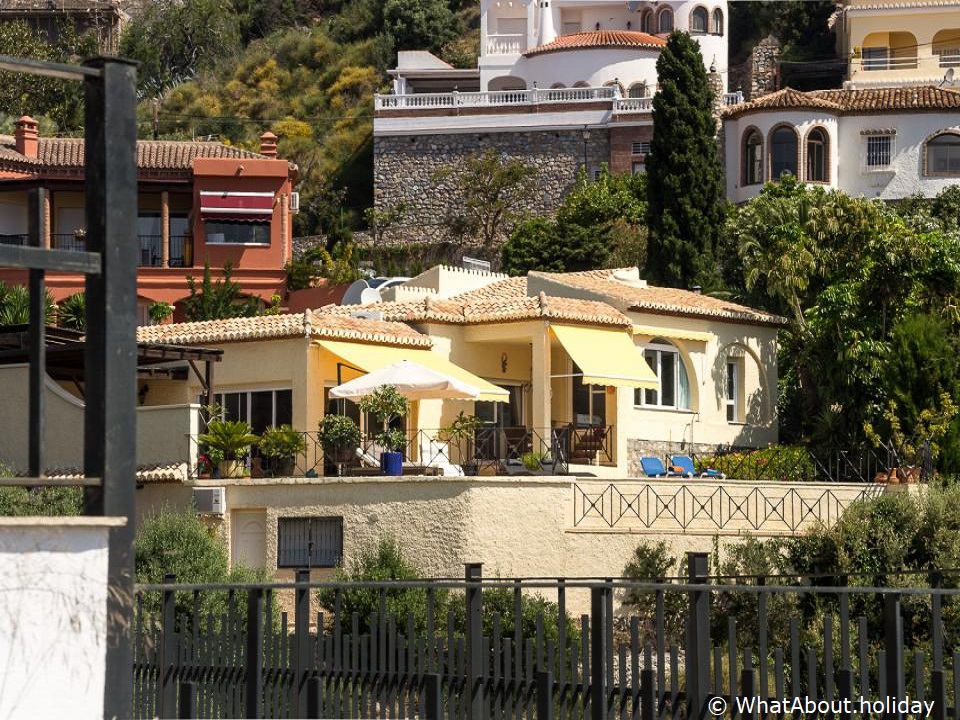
{"x": 896, "y": 43}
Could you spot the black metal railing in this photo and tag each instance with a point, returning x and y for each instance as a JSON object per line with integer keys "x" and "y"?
{"x": 149, "y": 252}
{"x": 8, "y": 239}
{"x": 178, "y": 251}
{"x": 475, "y": 648}
{"x": 68, "y": 241}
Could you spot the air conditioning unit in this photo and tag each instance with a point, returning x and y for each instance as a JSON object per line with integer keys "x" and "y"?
{"x": 210, "y": 500}
{"x": 294, "y": 202}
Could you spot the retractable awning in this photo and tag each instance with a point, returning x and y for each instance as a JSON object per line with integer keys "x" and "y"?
{"x": 223, "y": 205}
{"x": 368, "y": 358}
{"x": 673, "y": 333}
{"x": 606, "y": 356}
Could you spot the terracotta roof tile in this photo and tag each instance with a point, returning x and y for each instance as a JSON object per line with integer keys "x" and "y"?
{"x": 502, "y": 301}
{"x": 600, "y": 39}
{"x": 854, "y": 102}
{"x": 154, "y": 473}
{"x": 670, "y": 301}
{"x": 321, "y": 325}
{"x": 151, "y": 154}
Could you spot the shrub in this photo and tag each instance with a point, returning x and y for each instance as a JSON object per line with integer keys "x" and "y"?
{"x": 789, "y": 463}
{"x": 652, "y": 563}
{"x": 383, "y": 562}
{"x": 41, "y": 501}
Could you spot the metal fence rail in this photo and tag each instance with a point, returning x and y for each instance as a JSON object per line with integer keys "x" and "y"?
{"x": 483, "y": 649}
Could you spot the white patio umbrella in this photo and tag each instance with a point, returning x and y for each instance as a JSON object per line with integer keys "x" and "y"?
{"x": 412, "y": 380}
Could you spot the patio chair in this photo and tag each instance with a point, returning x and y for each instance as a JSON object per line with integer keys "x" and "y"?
{"x": 436, "y": 454}
{"x": 653, "y": 467}
{"x": 686, "y": 462}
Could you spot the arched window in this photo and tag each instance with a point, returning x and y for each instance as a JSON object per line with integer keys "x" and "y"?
{"x": 581, "y": 84}
{"x": 718, "y": 22}
{"x": 665, "y": 21}
{"x": 638, "y": 90}
{"x": 753, "y": 159}
{"x": 557, "y": 86}
{"x": 698, "y": 20}
{"x": 674, "y": 391}
{"x": 783, "y": 152}
{"x": 646, "y": 21}
{"x": 817, "y": 154}
{"x": 942, "y": 154}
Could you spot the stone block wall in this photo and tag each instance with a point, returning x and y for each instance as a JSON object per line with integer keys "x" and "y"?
{"x": 404, "y": 170}
{"x": 759, "y": 75}
{"x": 637, "y": 449}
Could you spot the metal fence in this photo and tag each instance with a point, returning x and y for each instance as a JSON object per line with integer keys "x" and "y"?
{"x": 491, "y": 649}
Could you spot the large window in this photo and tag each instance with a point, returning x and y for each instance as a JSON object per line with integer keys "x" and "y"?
{"x": 309, "y": 542}
{"x": 875, "y": 58}
{"x": 783, "y": 152}
{"x": 718, "y": 21}
{"x": 817, "y": 145}
{"x": 241, "y": 233}
{"x": 733, "y": 381}
{"x": 260, "y": 408}
{"x": 674, "y": 390}
{"x": 698, "y": 20}
{"x": 878, "y": 151}
{"x": 943, "y": 155}
{"x": 665, "y": 21}
{"x": 753, "y": 159}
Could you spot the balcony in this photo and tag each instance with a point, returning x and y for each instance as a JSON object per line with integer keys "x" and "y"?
{"x": 506, "y": 44}
{"x": 150, "y": 255}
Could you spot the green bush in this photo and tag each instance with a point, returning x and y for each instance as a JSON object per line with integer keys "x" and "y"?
{"x": 789, "y": 463}
{"x": 176, "y": 541}
{"x": 383, "y": 562}
{"x": 652, "y": 563}
{"x": 16, "y": 501}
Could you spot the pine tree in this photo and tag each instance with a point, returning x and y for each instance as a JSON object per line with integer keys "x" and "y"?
{"x": 685, "y": 194}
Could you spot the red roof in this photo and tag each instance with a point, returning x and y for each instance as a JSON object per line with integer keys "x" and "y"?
{"x": 600, "y": 39}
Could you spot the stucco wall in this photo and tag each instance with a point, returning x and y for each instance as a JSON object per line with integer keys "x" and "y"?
{"x": 53, "y": 578}
{"x": 523, "y": 526}
{"x": 404, "y": 168}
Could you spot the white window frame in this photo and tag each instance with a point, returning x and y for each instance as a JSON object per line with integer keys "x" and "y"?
{"x": 869, "y": 166}
{"x": 732, "y": 391}
{"x": 640, "y": 395}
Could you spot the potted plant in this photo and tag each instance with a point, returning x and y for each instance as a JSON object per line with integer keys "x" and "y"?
{"x": 160, "y": 311}
{"x": 386, "y": 405}
{"x": 233, "y": 438}
{"x": 339, "y": 437}
{"x": 460, "y": 431}
{"x": 931, "y": 425}
{"x": 280, "y": 446}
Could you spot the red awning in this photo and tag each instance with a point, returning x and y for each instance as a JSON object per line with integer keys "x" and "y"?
{"x": 236, "y": 205}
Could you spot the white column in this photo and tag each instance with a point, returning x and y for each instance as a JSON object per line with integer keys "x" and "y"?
{"x": 540, "y": 379}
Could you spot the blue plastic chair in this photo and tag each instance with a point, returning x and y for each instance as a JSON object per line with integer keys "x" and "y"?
{"x": 653, "y": 467}
{"x": 686, "y": 462}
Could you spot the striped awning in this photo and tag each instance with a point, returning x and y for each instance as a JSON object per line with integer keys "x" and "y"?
{"x": 224, "y": 205}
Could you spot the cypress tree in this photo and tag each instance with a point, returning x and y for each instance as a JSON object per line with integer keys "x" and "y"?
{"x": 686, "y": 205}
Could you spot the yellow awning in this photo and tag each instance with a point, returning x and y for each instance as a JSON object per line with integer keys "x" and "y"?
{"x": 673, "y": 333}
{"x": 368, "y": 358}
{"x": 606, "y": 357}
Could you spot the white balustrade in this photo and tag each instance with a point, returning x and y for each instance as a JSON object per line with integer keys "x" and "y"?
{"x": 734, "y": 98}
{"x": 644, "y": 104}
{"x": 506, "y": 44}
{"x": 496, "y": 98}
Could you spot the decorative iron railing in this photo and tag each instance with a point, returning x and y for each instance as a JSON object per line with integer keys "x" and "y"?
{"x": 711, "y": 505}
{"x": 8, "y": 239}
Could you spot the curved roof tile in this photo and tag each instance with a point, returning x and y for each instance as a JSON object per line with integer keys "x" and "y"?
{"x": 853, "y": 102}
{"x": 600, "y": 39}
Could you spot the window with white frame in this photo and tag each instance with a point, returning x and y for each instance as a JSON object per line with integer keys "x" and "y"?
{"x": 674, "y": 390}
{"x": 305, "y": 542}
{"x": 732, "y": 390}
{"x": 260, "y": 408}
{"x": 638, "y": 167}
{"x": 878, "y": 151}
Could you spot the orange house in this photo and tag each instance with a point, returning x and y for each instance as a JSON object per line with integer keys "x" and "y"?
{"x": 197, "y": 202}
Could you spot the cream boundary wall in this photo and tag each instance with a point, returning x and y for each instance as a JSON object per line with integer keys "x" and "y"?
{"x": 163, "y": 432}
{"x": 53, "y": 578}
{"x": 904, "y": 176}
{"x": 516, "y": 526}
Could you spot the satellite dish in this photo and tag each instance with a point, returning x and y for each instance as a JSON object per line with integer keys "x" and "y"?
{"x": 370, "y": 296}
{"x": 948, "y": 76}
{"x": 633, "y": 5}
{"x": 354, "y": 293}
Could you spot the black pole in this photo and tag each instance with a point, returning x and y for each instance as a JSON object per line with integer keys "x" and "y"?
{"x": 38, "y": 341}
{"x": 110, "y": 433}
{"x": 698, "y": 637}
{"x": 254, "y": 657}
{"x": 476, "y": 669}
{"x": 301, "y": 643}
{"x": 168, "y": 651}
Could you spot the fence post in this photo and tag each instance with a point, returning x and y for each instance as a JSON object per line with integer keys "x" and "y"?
{"x": 476, "y": 668}
{"x": 314, "y": 697}
{"x": 893, "y": 644}
{"x": 599, "y": 649}
{"x": 168, "y": 651}
{"x": 187, "y": 705}
{"x": 545, "y": 695}
{"x": 301, "y": 643}
{"x": 698, "y": 637}
{"x": 434, "y": 707}
{"x": 254, "y": 659}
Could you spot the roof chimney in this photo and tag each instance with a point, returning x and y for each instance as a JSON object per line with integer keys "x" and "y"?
{"x": 27, "y": 136}
{"x": 268, "y": 144}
